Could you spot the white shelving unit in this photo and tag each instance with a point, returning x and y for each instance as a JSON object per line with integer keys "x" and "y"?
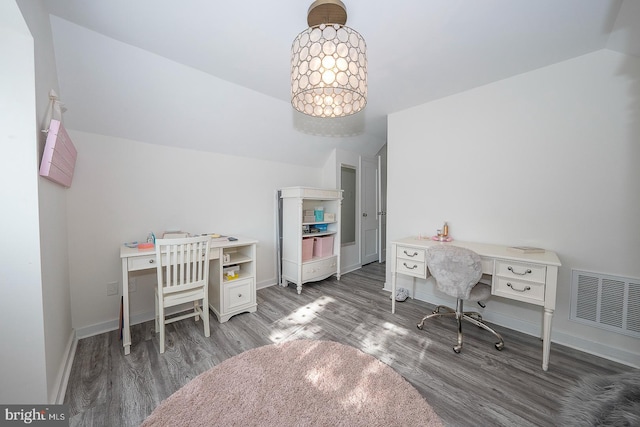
{"x": 231, "y": 296}
{"x": 296, "y": 230}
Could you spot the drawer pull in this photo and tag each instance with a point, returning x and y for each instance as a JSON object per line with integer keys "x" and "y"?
{"x": 151, "y": 261}
{"x": 410, "y": 268}
{"x": 411, "y": 255}
{"x": 527, "y": 271}
{"x": 239, "y": 295}
{"x": 526, "y": 288}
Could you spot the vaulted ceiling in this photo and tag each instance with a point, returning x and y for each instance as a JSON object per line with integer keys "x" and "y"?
{"x": 203, "y": 74}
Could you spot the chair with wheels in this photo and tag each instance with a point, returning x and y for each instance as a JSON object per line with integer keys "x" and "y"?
{"x": 183, "y": 276}
{"x": 457, "y": 272}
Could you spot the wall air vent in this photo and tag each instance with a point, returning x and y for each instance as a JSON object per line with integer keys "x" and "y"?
{"x": 605, "y": 301}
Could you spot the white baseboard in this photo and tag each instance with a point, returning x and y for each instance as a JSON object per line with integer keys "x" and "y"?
{"x": 618, "y": 355}
{"x": 112, "y": 325}
{"x": 266, "y": 283}
{"x": 65, "y": 369}
{"x": 351, "y": 268}
{"x": 591, "y": 347}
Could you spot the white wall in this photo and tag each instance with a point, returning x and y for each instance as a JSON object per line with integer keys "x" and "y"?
{"x": 116, "y": 89}
{"x": 22, "y": 359}
{"x": 53, "y": 214}
{"x": 548, "y": 158}
{"x": 123, "y": 189}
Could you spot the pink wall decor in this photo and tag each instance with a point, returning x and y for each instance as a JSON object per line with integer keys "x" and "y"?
{"x": 59, "y": 157}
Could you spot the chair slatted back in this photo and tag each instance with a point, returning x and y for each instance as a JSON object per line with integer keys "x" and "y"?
{"x": 182, "y": 263}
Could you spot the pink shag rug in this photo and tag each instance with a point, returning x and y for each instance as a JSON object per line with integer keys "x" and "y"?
{"x": 297, "y": 383}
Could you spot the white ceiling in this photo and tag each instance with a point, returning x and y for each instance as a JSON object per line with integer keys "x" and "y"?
{"x": 418, "y": 51}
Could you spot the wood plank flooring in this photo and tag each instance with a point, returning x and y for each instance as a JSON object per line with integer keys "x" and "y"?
{"x": 479, "y": 387}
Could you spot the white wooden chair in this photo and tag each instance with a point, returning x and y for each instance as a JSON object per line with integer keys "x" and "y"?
{"x": 183, "y": 276}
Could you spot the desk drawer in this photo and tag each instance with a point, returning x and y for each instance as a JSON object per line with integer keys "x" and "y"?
{"x": 238, "y": 294}
{"x": 149, "y": 260}
{"x": 411, "y": 268}
{"x": 414, "y": 254}
{"x": 521, "y": 271}
{"x": 142, "y": 262}
{"x": 530, "y": 292}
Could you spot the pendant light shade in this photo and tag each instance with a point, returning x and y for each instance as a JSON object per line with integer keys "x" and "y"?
{"x": 328, "y": 64}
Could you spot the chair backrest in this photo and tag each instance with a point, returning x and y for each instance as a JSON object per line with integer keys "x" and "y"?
{"x": 182, "y": 263}
{"x": 456, "y": 270}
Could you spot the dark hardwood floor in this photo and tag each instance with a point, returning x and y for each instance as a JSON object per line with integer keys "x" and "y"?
{"x": 479, "y": 387}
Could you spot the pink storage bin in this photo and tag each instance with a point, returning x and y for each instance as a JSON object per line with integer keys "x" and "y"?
{"x": 323, "y": 246}
{"x": 307, "y": 249}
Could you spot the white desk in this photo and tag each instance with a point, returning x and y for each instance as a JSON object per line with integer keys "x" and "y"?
{"x": 530, "y": 278}
{"x": 236, "y": 296}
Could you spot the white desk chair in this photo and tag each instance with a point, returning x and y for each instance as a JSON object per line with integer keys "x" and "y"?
{"x": 183, "y": 276}
{"x": 457, "y": 272}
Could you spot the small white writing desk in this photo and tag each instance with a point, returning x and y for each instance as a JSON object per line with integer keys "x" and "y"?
{"x": 222, "y": 300}
{"x": 528, "y": 277}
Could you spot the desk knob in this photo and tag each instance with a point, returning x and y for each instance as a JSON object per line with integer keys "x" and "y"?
{"x": 152, "y": 261}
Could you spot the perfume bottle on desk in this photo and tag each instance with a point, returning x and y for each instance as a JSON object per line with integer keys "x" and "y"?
{"x": 443, "y": 234}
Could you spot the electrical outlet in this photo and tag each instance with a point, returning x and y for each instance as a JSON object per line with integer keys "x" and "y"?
{"x": 133, "y": 285}
{"x": 112, "y": 288}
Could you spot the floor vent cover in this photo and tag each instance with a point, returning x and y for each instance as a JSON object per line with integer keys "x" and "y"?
{"x": 608, "y": 302}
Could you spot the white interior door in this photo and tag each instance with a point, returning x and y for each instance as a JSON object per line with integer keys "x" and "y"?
{"x": 382, "y": 213}
{"x": 369, "y": 241}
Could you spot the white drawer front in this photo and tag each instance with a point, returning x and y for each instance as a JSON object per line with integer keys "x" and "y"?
{"x": 238, "y": 294}
{"x": 149, "y": 260}
{"x": 530, "y": 292}
{"x": 319, "y": 269}
{"x": 521, "y": 271}
{"x": 415, "y": 254}
{"x": 142, "y": 262}
{"x": 411, "y": 268}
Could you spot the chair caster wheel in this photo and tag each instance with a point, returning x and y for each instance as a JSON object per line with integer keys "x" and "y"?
{"x": 499, "y": 346}
{"x": 457, "y": 349}
{"x": 419, "y": 326}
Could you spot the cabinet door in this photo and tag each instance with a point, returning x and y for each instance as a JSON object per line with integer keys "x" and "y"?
{"x": 238, "y": 294}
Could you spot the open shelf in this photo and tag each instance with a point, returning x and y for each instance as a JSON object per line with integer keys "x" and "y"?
{"x": 237, "y": 258}
{"x": 241, "y": 276}
{"x": 321, "y": 233}
{"x": 319, "y": 222}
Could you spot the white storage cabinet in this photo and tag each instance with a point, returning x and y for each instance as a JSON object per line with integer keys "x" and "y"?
{"x": 298, "y": 227}
{"x": 231, "y": 296}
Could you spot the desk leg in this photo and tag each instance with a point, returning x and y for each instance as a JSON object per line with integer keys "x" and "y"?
{"x": 546, "y": 337}
{"x": 126, "y": 334}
